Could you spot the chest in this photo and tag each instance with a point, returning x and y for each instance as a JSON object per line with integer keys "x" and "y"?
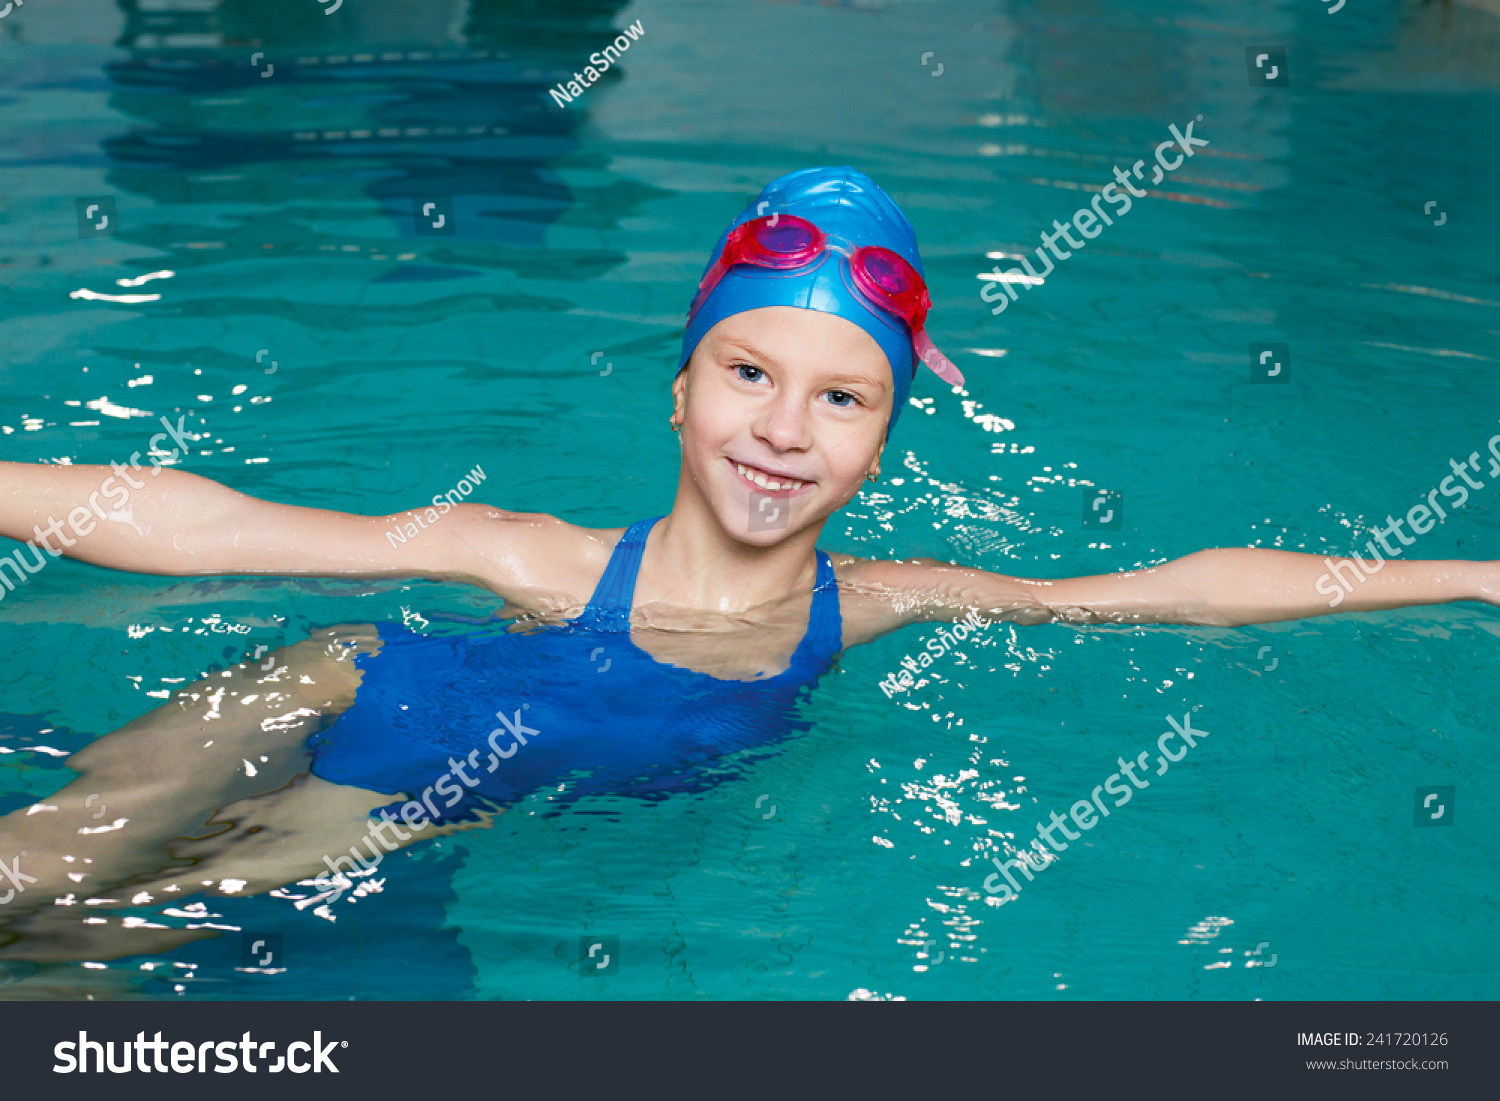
{"x": 724, "y": 651}
{"x": 750, "y": 646}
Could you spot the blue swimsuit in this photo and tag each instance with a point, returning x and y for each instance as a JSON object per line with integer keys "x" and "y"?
{"x": 578, "y": 706}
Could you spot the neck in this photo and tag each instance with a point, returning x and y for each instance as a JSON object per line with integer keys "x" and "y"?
{"x": 694, "y": 562}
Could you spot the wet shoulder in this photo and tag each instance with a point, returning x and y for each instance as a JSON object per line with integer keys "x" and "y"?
{"x": 874, "y": 595}
{"x": 548, "y": 564}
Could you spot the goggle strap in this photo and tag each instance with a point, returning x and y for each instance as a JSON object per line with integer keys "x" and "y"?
{"x": 939, "y": 364}
{"x": 707, "y": 284}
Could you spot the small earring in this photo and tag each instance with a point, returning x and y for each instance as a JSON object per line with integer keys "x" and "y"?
{"x": 873, "y": 477}
{"x": 675, "y": 423}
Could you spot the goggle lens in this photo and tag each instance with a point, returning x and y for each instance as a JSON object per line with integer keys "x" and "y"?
{"x": 788, "y": 237}
{"x": 890, "y": 273}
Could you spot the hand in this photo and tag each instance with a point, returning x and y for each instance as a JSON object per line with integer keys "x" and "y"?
{"x": 1486, "y": 582}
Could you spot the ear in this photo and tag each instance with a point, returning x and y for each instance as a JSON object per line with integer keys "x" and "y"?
{"x": 680, "y": 391}
{"x": 874, "y": 470}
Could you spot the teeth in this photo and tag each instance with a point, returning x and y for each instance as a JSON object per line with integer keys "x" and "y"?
{"x": 764, "y": 482}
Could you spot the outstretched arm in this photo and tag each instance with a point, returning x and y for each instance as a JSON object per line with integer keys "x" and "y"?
{"x": 1224, "y": 588}
{"x": 172, "y": 522}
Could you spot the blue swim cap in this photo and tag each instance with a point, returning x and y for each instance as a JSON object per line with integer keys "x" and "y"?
{"x": 843, "y": 203}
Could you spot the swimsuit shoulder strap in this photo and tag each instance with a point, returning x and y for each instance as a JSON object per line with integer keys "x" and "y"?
{"x": 825, "y": 624}
{"x": 609, "y": 607}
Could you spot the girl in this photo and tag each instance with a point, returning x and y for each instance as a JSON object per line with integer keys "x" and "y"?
{"x": 653, "y": 651}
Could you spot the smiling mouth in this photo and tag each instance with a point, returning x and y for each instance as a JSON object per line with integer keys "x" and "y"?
{"x": 766, "y": 482}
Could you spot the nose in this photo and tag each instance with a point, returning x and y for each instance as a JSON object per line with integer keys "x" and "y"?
{"x": 784, "y": 424}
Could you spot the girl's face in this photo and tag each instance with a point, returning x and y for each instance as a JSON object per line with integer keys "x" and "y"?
{"x": 783, "y": 414}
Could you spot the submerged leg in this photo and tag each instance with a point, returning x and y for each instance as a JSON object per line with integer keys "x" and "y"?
{"x": 232, "y": 736}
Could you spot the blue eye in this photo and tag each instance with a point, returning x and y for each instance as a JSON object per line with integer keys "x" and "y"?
{"x": 834, "y": 395}
{"x": 743, "y": 367}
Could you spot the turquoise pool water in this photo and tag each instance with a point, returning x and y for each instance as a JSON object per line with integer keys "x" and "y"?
{"x": 331, "y": 355}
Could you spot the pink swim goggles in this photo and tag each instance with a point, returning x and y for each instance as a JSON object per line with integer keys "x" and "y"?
{"x": 785, "y": 241}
